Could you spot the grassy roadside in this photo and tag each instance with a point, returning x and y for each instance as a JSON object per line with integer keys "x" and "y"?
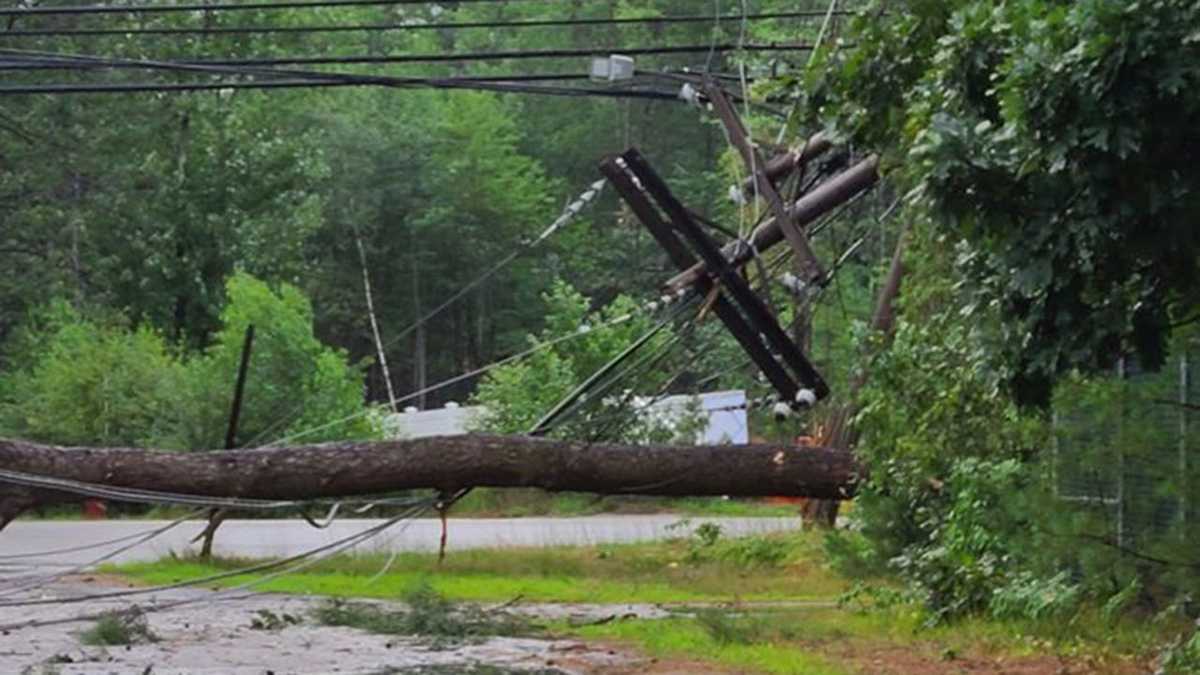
{"x": 776, "y": 568}
{"x": 769, "y": 605}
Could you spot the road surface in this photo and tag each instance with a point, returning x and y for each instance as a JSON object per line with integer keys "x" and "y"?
{"x": 279, "y": 538}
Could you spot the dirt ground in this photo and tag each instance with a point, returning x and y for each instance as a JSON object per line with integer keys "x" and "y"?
{"x": 219, "y": 637}
{"x": 216, "y": 633}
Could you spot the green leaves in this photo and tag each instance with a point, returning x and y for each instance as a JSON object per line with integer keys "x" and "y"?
{"x": 82, "y": 381}
{"x": 1055, "y": 139}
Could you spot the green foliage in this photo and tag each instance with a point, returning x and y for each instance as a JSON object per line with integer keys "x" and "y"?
{"x": 707, "y": 545}
{"x": 81, "y": 381}
{"x": 1182, "y": 655}
{"x": 948, "y": 499}
{"x": 295, "y": 386}
{"x": 729, "y": 628}
{"x": 428, "y": 614}
{"x": 517, "y": 395}
{"x": 125, "y": 627}
{"x": 1049, "y": 137}
{"x": 1028, "y": 596}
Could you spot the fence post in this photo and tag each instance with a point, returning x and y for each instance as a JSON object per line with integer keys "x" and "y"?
{"x": 1121, "y": 457}
{"x": 1185, "y": 377}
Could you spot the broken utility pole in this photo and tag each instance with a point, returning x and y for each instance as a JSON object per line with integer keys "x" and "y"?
{"x": 810, "y": 267}
{"x": 821, "y": 200}
{"x": 743, "y": 313}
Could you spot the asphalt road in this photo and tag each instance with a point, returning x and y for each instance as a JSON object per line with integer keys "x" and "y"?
{"x": 278, "y": 538}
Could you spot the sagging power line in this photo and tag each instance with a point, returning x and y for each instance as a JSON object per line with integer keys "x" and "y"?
{"x": 218, "y": 7}
{"x": 391, "y": 27}
{"x": 51, "y": 63}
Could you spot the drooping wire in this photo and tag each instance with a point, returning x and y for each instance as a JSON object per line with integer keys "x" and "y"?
{"x": 405, "y": 27}
{"x": 447, "y": 57}
{"x": 569, "y": 213}
{"x": 282, "y": 567}
{"x": 221, "y": 7}
{"x": 39, "y": 581}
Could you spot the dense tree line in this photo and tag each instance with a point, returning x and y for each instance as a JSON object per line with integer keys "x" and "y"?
{"x": 146, "y": 203}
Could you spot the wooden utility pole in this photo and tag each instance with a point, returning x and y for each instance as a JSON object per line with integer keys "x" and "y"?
{"x": 218, "y": 516}
{"x": 379, "y": 350}
{"x": 821, "y": 200}
{"x": 735, "y": 130}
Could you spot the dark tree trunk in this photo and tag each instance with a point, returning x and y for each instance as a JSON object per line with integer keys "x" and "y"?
{"x": 445, "y": 463}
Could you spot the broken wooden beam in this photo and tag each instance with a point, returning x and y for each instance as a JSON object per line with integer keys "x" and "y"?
{"x": 346, "y": 469}
{"x": 808, "y": 265}
{"x": 615, "y": 169}
{"x": 783, "y": 165}
{"x": 756, "y": 312}
{"x": 823, "y": 199}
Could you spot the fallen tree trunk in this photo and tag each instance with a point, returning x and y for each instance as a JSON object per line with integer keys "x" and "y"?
{"x": 445, "y": 463}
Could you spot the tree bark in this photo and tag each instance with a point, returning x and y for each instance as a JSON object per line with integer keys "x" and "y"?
{"x": 445, "y": 463}
{"x": 841, "y": 433}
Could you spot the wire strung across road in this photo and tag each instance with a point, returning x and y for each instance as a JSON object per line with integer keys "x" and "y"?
{"x": 445, "y": 57}
{"x": 298, "y": 78}
{"x": 569, "y": 213}
{"x": 406, "y": 27}
{"x": 222, "y": 7}
{"x": 281, "y": 567}
{"x": 41, "y": 580}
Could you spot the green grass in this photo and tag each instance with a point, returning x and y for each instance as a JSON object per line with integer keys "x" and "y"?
{"x": 804, "y": 631}
{"x": 687, "y": 639}
{"x": 118, "y": 628}
{"x": 835, "y": 641}
{"x": 681, "y": 571}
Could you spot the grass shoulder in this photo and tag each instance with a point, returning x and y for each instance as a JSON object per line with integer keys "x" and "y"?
{"x": 756, "y": 604}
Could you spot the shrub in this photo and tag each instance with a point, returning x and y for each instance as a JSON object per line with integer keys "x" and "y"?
{"x": 119, "y": 628}
{"x": 84, "y": 381}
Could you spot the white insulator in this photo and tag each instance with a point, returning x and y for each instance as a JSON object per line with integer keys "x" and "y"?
{"x": 736, "y": 196}
{"x": 690, "y": 94}
{"x": 806, "y": 397}
{"x": 781, "y": 410}
{"x": 652, "y": 307}
{"x": 793, "y": 283}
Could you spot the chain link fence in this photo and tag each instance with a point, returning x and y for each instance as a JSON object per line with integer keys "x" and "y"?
{"x": 1124, "y": 453}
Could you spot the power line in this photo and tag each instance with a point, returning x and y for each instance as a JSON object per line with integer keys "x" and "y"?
{"x": 286, "y": 78}
{"x": 75, "y": 64}
{"x": 142, "y": 87}
{"x": 535, "y": 23}
{"x": 217, "y": 7}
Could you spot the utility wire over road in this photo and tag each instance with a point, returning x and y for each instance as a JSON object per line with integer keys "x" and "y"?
{"x": 404, "y": 27}
{"x": 225, "y": 7}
